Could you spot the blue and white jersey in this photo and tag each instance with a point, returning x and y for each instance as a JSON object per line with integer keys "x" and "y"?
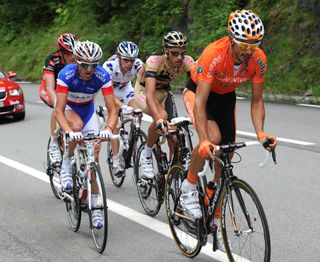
{"x": 81, "y": 92}
{"x": 121, "y": 80}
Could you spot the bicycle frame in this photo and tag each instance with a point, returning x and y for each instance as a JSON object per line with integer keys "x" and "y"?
{"x": 224, "y": 183}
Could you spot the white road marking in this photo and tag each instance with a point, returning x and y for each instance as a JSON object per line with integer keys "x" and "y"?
{"x": 291, "y": 141}
{"x": 148, "y": 118}
{"x": 309, "y": 105}
{"x": 128, "y": 213}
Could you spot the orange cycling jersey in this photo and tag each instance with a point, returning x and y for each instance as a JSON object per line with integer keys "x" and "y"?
{"x": 216, "y": 67}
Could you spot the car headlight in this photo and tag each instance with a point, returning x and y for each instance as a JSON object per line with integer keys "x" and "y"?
{"x": 15, "y": 92}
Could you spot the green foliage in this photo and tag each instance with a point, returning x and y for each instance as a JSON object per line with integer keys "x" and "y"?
{"x": 29, "y": 31}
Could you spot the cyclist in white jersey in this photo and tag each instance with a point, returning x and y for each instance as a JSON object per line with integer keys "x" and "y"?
{"x": 123, "y": 67}
{"x": 77, "y": 87}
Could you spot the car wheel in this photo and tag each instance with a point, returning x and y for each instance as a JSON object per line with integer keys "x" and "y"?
{"x": 19, "y": 116}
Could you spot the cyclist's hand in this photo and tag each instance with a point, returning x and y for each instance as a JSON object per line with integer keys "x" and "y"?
{"x": 205, "y": 149}
{"x": 106, "y": 134}
{"x": 126, "y": 110}
{"x": 263, "y": 137}
{"x": 75, "y": 136}
{"x": 162, "y": 127}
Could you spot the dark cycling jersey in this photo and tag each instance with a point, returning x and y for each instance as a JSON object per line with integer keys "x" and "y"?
{"x": 53, "y": 65}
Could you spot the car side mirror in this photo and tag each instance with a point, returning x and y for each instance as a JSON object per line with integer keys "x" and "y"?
{"x": 12, "y": 74}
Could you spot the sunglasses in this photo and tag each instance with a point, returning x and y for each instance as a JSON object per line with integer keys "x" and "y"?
{"x": 127, "y": 60}
{"x": 88, "y": 65}
{"x": 176, "y": 53}
{"x": 246, "y": 46}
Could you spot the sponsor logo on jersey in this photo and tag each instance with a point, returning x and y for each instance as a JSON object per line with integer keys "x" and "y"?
{"x": 262, "y": 67}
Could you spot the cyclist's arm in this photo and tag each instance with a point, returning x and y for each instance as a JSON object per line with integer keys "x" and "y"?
{"x": 50, "y": 87}
{"x": 112, "y": 108}
{"x": 200, "y": 116}
{"x": 257, "y": 107}
{"x": 59, "y": 110}
{"x": 141, "y": 71}
{"x": 150, "y": 94}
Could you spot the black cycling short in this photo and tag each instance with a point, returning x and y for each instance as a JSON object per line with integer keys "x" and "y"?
{"x": 221, "y": 109}
{"x": 170, "y": 105}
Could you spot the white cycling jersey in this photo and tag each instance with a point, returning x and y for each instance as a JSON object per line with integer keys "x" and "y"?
{"x": 123, "y": 89}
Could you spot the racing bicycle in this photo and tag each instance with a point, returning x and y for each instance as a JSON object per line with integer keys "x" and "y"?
{"x": 243, "y": 222}
{"x": 86, "y": 174}
{"x": 151, "y": 191}
{"x": 129, "y": 143}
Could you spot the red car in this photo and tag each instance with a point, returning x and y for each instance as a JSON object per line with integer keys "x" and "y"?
{"x": 11, "y": 96}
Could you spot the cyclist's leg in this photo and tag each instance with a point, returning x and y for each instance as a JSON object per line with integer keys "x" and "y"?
{"x": 54, "y": 150}
{"x": 76, "y": 125}
{"x": 146, "y": 160}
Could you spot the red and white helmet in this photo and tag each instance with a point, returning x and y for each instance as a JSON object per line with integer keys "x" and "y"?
{"x": 245, "y": 25}
{"x": 88, "y": 51}
{"x": 67, "y": 42}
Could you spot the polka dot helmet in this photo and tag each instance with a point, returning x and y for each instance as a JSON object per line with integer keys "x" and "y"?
{"x": 245, "y": 25}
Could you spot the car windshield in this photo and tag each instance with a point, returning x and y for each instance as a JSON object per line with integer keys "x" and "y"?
{"x": 2, "y": 75}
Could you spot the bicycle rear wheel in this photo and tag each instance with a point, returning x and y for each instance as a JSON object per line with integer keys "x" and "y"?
{"x": 244, "y": 225}
{"x": 54, "y": 175}
{"x": 148, "y": 189}
{"x": 117, "y": 180}
{"x": 183, "y": 230}
{"x": 73, "y": 207}
{"x": 99, "y": 235}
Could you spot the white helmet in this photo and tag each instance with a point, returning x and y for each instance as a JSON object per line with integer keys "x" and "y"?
{"x": 128, "y": 49}
{"x": 245, "y": 25}
{"x": 88, "y": 51}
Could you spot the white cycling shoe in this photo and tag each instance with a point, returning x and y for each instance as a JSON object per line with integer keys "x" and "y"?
{"x": 147, "y": 166}
{"x": 189, "y": 200}
{"x": 97, "y": 221}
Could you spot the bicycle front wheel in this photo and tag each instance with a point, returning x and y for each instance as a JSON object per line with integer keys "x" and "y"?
{"x": 148, "y": 189}
{"x": 73, "y": 206}
{"x": 244, "y": 225}
{"x": 53, "y": 173}
{"x": 99, "y": 235}
{"x": 183, "y": 229}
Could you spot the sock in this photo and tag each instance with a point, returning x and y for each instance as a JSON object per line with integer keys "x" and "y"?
{"x": 53, "y": 140}
{"x": 216, "y": 221}
{"x": 187, "y": 186}
{"x": 115, "y": 160}
{"x": 147, "y": 151}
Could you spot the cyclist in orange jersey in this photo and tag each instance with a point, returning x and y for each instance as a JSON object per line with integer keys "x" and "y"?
{"x": 221, "y": 68}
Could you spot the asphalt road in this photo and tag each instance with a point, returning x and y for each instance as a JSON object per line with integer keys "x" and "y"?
{"x": 34, "y": 227}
